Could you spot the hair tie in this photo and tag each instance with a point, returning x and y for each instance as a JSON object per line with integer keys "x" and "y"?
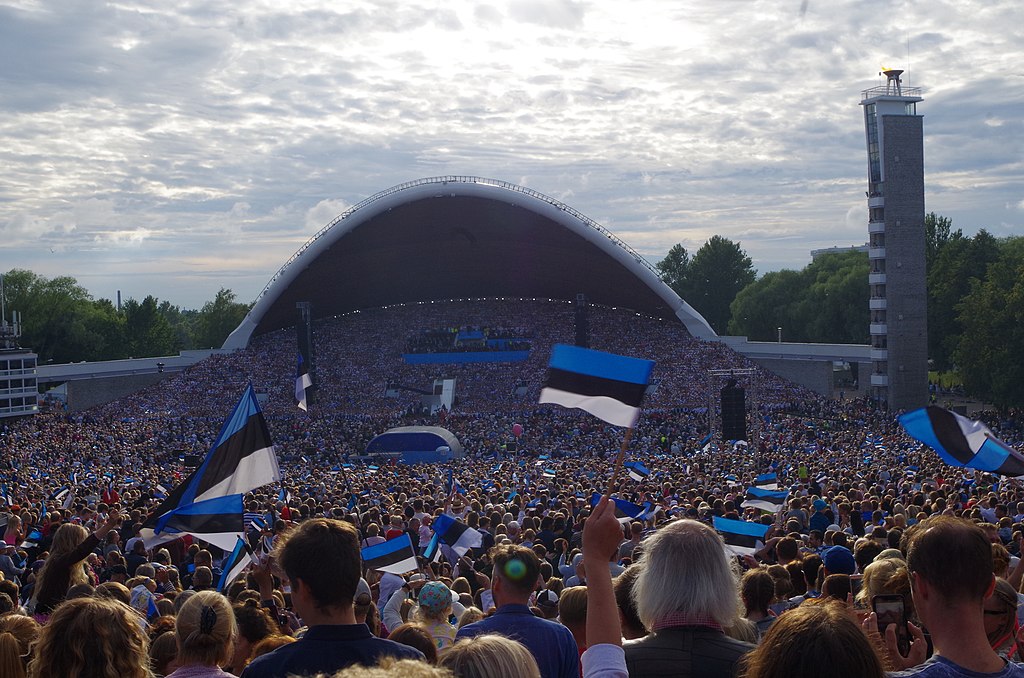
{"x": 207, "y": 620}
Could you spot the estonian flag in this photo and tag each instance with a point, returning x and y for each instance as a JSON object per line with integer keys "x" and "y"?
{"x": 208, "y": 504}
{"x": 33, "y": 539}
{"x": 396, "y": 556}
{"x": 458, "y": 535}
{"x": 637, "y": 471}
{"x": 766, "y": 500}
{"x": 767, "y": 481}
{"x": 608, "y": 386}
{"x": 60, "y": 494}
{"x": 741, "y": 537}
{"x": 627, "y": 511}
{"x": 549, "y": 473}
{"x": 962, "y": 442}
{"x": 705, "y": 443}
{"x": 240, "y": 557}
{"x": 302, "y": 382}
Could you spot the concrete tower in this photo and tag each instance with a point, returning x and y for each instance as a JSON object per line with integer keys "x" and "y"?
{"x": 899, "y": 332}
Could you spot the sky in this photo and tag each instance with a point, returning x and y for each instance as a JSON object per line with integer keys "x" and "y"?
{"x": 176, "y": 148}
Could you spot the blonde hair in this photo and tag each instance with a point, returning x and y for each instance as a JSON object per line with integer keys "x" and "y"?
{"x": 572, "y": 606}
{"x": 17, "y": 633}
{"x": 471, "y": 615}
{"x": 489, "y": 656}
{"x": 91, "y": 638}
{"x": 885, "y": 576}
{"x": 389, "y": 667}
{"x": 67, "y": 538}
{"x": 205, "y": 629}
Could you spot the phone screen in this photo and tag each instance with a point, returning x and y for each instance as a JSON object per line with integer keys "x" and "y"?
{"x": 890, "y": 610}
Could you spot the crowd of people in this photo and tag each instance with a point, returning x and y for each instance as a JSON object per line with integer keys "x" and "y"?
{"x": 554, "y": 582}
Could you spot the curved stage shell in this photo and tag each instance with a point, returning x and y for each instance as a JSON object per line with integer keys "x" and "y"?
{"x": 456, "y": 238}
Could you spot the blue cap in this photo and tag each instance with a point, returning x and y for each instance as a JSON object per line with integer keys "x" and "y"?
{"x": 839, "y": 560}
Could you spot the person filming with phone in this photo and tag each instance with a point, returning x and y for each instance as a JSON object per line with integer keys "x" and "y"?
{"x": 950, "y": 564}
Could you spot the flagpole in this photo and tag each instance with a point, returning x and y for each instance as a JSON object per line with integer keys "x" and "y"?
{"x": 618, "y": 462}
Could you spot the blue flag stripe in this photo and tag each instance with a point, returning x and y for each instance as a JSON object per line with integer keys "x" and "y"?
{"x": 600, "y": 364}
{"x": 758, "y": 492}
{"x": 740, "y": 527}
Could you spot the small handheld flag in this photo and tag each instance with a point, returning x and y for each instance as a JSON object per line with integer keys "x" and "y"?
{"x": 608, "y": 386}
{"x": 962, "y": 442}
{"x": 302, "y": 382}
{"x": 740, "y": 536}
{"x": 766, "y": 500}
{"x": 396, "y": 556}
{"x": 767, "y": 481}
{"x": 637, "y": 471}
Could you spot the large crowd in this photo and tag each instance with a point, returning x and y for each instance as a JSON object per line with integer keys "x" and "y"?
{"x": 552, "y": 585}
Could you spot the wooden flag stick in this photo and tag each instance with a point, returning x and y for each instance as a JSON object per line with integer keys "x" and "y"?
{"x": 618, "y": 462}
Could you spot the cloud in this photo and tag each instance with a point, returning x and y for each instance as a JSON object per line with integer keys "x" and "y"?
{"x": 171, "y": 131}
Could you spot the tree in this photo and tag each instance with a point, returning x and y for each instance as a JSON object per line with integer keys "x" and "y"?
{"x": 716, "y": 274}
{"x": 992, "y": 318}
{"x": 825, "y": 302}
{"x": 768, "y": 304}
{"x": 674, "y": 269}
{"x": 835, "y": 304}
{"x": 218, "y": 318}
{"x": 959, "y": 261}
{"x": 937, "y": 234}
{"x": 147, "y": 332}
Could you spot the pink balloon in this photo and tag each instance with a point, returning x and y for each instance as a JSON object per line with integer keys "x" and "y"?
{"x": 517, "y": 430}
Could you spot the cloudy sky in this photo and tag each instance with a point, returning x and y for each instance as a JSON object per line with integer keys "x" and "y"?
{"x": 174, "y": 148}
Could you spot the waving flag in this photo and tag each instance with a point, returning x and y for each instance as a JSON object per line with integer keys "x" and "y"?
{"x": 962, "y": 442}
{"x": 637, "y": 471}
{"x": 608, "y": 386}
{"x": 208, "y": 504}
{"x": 459, "y": 536}
{"x": 766, "y": 500}
{"x": 235, "y": 563}
{"x": 741, "y": 537}
{"x": 396, "y": 556}
{"x": 627, "y": 511}
{"x": 767, "y": 481}
{"x": 302, "y": 382}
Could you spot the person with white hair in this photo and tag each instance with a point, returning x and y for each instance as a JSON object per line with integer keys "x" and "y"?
{"x": 686, "y": 594}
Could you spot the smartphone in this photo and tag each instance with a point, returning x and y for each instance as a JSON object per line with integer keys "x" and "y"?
{"x": 890, "y": 609}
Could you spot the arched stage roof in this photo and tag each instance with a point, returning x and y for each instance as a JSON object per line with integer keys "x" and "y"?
{"x": 454, "y": 238}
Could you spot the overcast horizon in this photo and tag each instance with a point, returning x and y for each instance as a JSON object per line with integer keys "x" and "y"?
{"x": 174, "y": 149}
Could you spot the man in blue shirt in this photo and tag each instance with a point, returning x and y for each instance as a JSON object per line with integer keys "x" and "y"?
{"x": 514, "y": 579}
{"x": 950, "y": 563}
{"x": 322, "y": 562}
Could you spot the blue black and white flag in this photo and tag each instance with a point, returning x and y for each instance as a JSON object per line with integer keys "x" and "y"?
{"x": 302, "y": 383}
{"x": 627, "y": 511}
{"x": 396, "y": 556}
{"x": 549, "y": 473}
{"x": 608, "y": 386}
{"x": 637, "y": 471}
{"x": 459, "y": 536}
{"x": 767, "y": 481}
{"x": 239, "y": 558}
{"x": 59, "y": 495}
{"x": 962, "y": 442}
{"x": 766, "y": 500}
{"x": 741, "y": 538}
{"x": 208, "y": 504}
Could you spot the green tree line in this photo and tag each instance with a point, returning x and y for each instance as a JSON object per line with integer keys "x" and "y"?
{"x": 63, "y": 323}
{"x": 975, "y": 291}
